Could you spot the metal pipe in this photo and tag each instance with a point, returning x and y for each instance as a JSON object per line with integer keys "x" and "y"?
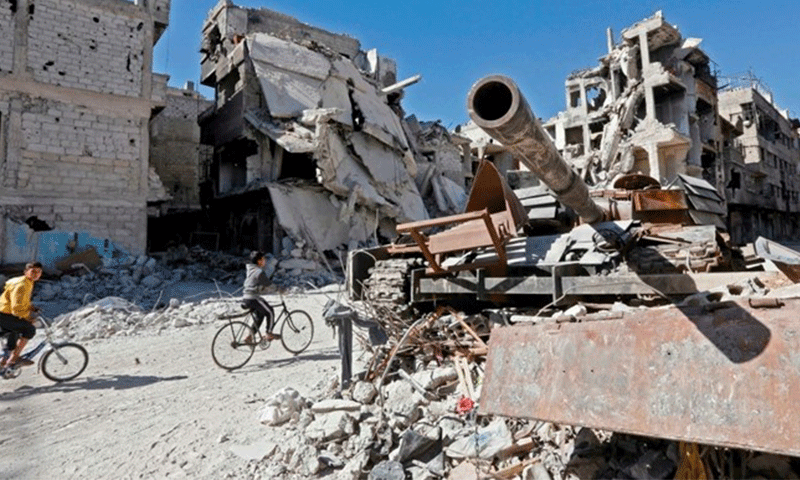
{"x": 497, "y": 106}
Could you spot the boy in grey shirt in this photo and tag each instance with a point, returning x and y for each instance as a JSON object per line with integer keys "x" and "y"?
{"x": 254, "y": 281}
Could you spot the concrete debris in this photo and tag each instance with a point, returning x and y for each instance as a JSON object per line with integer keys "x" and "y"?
{"x": 156, "y": 192}
{"x": 282, "y": 406}
{"x": 256, "y": 451}
{"x": 146, "y": 293}
{"x": 413, "y": 427}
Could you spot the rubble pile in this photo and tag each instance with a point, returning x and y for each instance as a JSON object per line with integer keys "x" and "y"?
{"x": 116, "y": 316}
{"x": 413, "y": 414}
{"x": 135, "y": 294}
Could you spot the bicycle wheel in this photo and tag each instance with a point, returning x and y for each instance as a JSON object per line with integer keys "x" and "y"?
{"x": 228, "y": 349}
{"x": 64, "y": 362}
{"x": 297, "y": 331}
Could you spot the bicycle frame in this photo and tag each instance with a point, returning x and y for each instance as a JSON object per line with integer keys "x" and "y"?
{"x": 31, "y": 353}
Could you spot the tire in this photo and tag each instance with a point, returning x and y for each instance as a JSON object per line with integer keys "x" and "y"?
{"x": 227, "y": 348}
{"x": 297, "y": 331}
{"x": 64, "y": 362}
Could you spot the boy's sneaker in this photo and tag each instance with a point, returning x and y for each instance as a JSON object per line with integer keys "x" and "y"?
{"x": 272, "y": 336}
{"x": 23, "y": 362}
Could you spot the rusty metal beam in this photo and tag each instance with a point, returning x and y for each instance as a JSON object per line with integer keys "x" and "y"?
{"x": 728, "y": 376}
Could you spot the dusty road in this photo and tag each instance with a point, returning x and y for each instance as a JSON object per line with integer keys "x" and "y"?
{"x": 153, "y": 406}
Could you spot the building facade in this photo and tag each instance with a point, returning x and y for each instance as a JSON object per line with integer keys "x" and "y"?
{"x": 760, "y": 165}
{"x": 76, "y": 96}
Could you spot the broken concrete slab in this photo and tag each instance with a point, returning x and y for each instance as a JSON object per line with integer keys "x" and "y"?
{"x": 290, "y": 75}
{"x": 387, "y": 470}
{"x": 330, "y": 426}
{"x": 254, "y": 451}
{"x": 364, "y": 392}
{"x": 487, "y": 442}
{"x": 324, "y": 229}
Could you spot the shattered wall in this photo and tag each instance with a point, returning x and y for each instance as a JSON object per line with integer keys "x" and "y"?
{"x": 175, "y": 150}
{"x": 297, "y": 104}
{"x": 75, "y": 100}
{"x": 649, "y": 107}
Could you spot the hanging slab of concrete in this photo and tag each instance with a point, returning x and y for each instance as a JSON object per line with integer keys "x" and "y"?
{"x": 380, "y": 121}
{"x": 290, "y": 75}
{"x": 306, "y": 213}
{"x": 292, "y": 136}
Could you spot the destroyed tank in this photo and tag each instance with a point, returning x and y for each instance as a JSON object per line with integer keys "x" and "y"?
{"x": 556, "y": 243}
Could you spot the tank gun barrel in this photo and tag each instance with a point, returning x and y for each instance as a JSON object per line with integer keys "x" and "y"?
{"x": 497, "y": 106}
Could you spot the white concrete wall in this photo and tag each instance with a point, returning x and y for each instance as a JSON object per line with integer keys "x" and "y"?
{"x": 74, "y": 45}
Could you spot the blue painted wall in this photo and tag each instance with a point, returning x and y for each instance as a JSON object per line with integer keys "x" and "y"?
{"x": 23, "y": 245}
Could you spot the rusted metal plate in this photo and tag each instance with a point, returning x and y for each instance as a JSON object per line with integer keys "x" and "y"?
{"x": 728, "y": 376}
{"x": 659, "y": 200}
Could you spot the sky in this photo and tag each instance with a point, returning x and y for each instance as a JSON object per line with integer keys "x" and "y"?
{"x": 536, "y": 43}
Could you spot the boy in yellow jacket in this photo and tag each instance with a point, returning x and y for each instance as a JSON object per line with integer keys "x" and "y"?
{"x": 16, "y": 311}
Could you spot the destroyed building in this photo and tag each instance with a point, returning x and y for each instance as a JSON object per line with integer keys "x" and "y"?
{"x": 761, "y": 163}
{"x": 654, "y": 106}
{"x": 650, "y": 107}
{"x": 180, "y": 162}
{"x": 309, "y": 137}
{"x": 76, "y": 96}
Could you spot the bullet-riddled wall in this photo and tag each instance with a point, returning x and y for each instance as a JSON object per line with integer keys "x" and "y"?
{"x": 75, "y": 101}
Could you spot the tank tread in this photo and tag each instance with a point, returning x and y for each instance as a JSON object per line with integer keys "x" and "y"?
{"x": 388, "y": 284}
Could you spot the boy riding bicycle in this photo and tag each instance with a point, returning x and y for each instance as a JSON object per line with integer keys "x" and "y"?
{"x": 254, "y": 281}
{"x": 17, "y": 313}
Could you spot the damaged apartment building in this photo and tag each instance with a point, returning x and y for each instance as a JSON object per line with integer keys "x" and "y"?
{"x": 179, "y": 163}
{"x": 76, "y": 96}
{"x": 309, "y": 138}
{"x": 654, "y": 107}
{"x": 761, "y": 159}
{"x": 650, "y": 107}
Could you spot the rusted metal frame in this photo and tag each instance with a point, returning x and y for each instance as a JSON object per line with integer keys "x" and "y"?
{"x": 423, "y": 245}
{"x": 496, "y": 240}
{"x": 401, "y": 249}
{"x": 438, "y": 222}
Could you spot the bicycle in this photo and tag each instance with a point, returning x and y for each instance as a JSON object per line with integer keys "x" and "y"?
{"x": 63, "y": 361}
{"x": 230, "y": 351}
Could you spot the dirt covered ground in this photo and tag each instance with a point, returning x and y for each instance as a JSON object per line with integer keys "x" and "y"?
{"x": 154, "y": 405}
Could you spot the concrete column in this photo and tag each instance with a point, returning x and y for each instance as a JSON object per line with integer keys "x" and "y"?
{"x": 587, "y": 138}
{"x": 584, "y": 103}
{"x": 655, "y": 165}
{"x": 650, "y": 101}
{"x": 21, "y": 22}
